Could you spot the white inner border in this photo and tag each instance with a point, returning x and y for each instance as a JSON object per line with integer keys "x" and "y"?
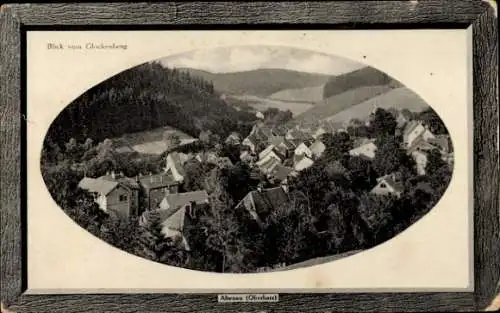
{"x": 434, "y": 254}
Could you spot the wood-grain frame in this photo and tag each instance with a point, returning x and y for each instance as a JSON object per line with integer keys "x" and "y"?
{"x": 17, "y": 18}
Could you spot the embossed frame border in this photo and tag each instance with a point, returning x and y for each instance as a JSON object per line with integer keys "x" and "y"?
{"x": 15, "y": 19}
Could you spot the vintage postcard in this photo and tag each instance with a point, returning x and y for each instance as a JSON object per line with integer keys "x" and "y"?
{"x": 266, "y": 161}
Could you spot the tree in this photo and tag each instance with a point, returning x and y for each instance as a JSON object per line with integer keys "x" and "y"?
{"x": 376, "y": 213}
{"x": 286, "y": 230}
{"x": 223, "y": 231}
{"x": 337, "y": 145}
{"x": 383, "y": 123}
{"x": 390, "y": 157}
{"x": 361, "y": 173}
{"x": 153, "y": 245}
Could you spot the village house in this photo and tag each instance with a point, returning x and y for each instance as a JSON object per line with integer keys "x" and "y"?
{"x": 413, "y": 130}
{"x": 118, "y": 199}
{"x": 389, "y": 184}
{"x": 442, "y": 143}
{"x": 280, "y": 174}
{"x": 317, "y": 149}
{"x": 258, "y": 137}
{"x": 175, "y": 165}
{"x": 260, "y": 203}
{"x": 270, "y": 152}
{"x": 266, "y": 165}
{"x": 155, "y": 187}
{"x": 284, "y": 146}
{"x": 173, "y": 209}
{"x": 233, "y": 139}
{"x": 303, "y": 148}
{"x": 364, "y": 147}
{"x": 301, "y": 162}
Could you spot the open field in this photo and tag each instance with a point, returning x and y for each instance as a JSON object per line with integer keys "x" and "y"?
{"x": 400, "y": 98}
{"x": 263, "y": 104}
{"x": 149, "y": 142}
{"x": 335, "y": 104}
{"x": 307, "y": 94}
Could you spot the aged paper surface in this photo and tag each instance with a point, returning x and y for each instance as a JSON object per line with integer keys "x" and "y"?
{"x": 434, "y": 254}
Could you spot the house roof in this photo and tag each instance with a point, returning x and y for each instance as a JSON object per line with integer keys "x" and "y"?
{"x": 441, "y": 141}
{"x": 101, "y": 186}
{"x": 263, "y": 202}
{"x": 317, "y": 147}
{"x": 280, "y": 140}
{"x": 178, "y": 200}
{"x": 361, "y": 142}
{"x": 178, "y": 160}
{"x": 268, "y": 164}
{"x": 127, "y": 181}
{"x": 281, "y": 172}
{"x": 156, "y": 181}
{"x": 393, "y": 181}
{"x": 420, "y": 144}
{"x": 410, "y": 126}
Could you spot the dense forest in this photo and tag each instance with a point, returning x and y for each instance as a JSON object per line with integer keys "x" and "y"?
{"x": 329, "y": 210}
{"x": 146, "y": 97}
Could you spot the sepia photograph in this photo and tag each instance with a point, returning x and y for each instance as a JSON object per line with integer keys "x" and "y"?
{"x": 247, "y": 158}
{"x": 253, "y": 157}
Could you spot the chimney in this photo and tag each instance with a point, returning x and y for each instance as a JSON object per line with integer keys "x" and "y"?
{"x": 113, "y": 174}
{"x": 137, "y": 178}
{"x": 121, "y": 174}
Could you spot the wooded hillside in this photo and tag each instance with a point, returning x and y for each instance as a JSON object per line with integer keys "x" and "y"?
{"x": 146, "y": 97}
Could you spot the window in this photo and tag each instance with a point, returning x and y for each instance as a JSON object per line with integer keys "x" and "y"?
{"x": 383, "y": 185}
{"x": 123, "y": 198}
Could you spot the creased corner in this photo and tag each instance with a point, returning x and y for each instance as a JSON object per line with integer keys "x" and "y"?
{"x": 494, "y": 305}
{"x": 4, "y": 309}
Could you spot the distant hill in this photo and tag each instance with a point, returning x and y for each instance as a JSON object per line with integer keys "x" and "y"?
{"x": 260, "y": 82}
{"x": 340, "y": 102}
{"x": 367, "y": 76}
{"x": 400, "y": 98}
{"x": 307, "y": 94}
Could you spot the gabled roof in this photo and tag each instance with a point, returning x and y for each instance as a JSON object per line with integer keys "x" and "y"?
{"x": 361, "y": 142}
{"x": 393, "y": 181}
{"x": 268, "y": 164}
{"x": 176, "y": 207}
{"x": 263, "y": 202}
{"x": 280, "y": 172}
{"x": 126, "y": 181}
{"x": 178, "y": 200}
{"x": 178, "y": 159}
{"x": 100, "y": 186}
{"x": 297, "y": 158}
{"x": 156, "y": 181}
{"x": 410, "y": 126}
{"x": 442, "y": 142}
{"x": 420, "y": 144}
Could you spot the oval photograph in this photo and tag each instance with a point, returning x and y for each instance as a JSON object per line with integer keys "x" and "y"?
{"x": 247, "y": 159}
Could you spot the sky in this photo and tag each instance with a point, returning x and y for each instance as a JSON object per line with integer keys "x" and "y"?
{"x": 245, "y": 58}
